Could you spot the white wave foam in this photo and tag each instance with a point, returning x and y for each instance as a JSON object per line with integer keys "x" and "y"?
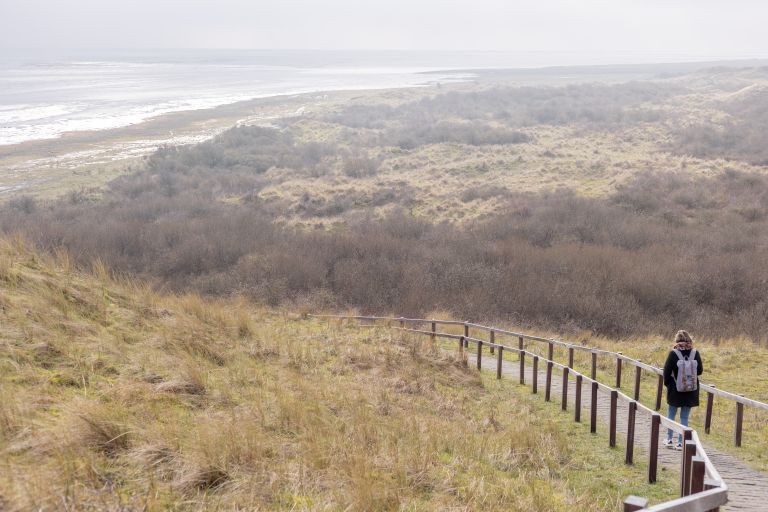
{"x": 16, "y": 113}
{"x": 101, "y": 95}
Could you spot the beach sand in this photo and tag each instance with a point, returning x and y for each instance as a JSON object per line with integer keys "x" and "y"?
{"x": 88, "y": 159}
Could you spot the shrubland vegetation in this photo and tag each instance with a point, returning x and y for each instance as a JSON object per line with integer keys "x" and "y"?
{"x": 114, "y": 397}
{"x": 346, "y": 209}
{"x": 663, "y": 251}
{"x": 519, "y": 106}
{"x": 739, "y": 135}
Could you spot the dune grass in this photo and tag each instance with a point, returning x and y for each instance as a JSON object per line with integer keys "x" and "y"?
{"x": 112, "y": 396}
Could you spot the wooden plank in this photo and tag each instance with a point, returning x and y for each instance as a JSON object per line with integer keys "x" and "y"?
{"x": 707, "y": 500}
{"x": 479, "y": 355}
{"x": 618, "y": 370}
{"x": 522, "y": 367}
{"x": 612, "y": 424}
{"x": 708, "y": 486}
{"x": 466, "y": 334}
{"x": 736, "y": 398}
{"x": 712, "y": 475}
{"x": 551, "y": 351}
{"x": 689, "y": 452}
{"x": 631, "y": 411}
{"x": 564, "y": 401}
{"x": 698, "y": 469}
{"x": 638, "y": 376}
{"x": 708, "y": 413}
{"x": 548, "y": 385}
{"x": 593, "y": 370}
{"x": 593, "y": 409}
{"x": 535, "y": 375}
{"x": 684, "y": 480}
{"x": 653, "y": 450}
{"x": 499, "y": 356}
{"x": 739, "y": 424}
{"x": 635, "y": 503}
{"x": 570, "y": 357}
{"x": 577, "y": 400}
{"x": 659, "y": 390}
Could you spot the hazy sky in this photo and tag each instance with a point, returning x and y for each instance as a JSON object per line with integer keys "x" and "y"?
{"x": 723, "y": 28}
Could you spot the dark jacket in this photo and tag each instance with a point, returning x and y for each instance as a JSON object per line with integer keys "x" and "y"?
{"x": 675, "y": 397}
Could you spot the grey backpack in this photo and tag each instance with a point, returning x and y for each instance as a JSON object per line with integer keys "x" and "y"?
{"x": 687, "y": 370}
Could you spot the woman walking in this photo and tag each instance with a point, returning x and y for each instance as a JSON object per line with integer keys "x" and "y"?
{"x": 681, "y": 373}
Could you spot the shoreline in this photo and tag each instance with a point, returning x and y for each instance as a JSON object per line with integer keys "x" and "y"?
{"x": 88, "y": 159}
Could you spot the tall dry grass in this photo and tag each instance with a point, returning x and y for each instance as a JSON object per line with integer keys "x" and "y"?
{"x": 113, "y": 397}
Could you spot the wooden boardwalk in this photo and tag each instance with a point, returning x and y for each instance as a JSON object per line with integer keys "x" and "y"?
{"x": 748, "y": 488}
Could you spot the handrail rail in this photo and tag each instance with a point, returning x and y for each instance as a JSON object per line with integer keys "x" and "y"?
{"x": 715, "y": 491}
{"x": 658, "y": 371}
{"x": 677, "y": 427}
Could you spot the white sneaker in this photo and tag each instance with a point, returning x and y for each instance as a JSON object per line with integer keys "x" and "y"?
{"x": 679, "y": 447}
{"x": 667, "y": 443}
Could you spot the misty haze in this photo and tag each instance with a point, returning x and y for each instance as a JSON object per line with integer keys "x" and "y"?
{"x": 383, "y": 255}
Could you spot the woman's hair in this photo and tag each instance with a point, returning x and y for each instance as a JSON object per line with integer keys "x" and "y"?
{"x": 683, "y": 337}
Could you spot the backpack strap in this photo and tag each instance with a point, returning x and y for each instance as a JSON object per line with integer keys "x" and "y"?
{"x": 678, "y": 354}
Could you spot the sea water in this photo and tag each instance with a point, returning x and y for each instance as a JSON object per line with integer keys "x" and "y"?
{"x": 43, "y": 96}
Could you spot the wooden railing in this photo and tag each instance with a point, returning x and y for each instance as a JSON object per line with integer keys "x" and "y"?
{"x": 701, "y": 486}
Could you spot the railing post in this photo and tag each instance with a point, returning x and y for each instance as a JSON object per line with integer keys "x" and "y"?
{"x": 548, "y": 386}
{"x": 535, "y": 375}
{"x": 638, "y": 375}
{"x": 708, "y": 413}
{"x": 570, "y": 357}
{"x": 631, "y": 412}
{"x": 466, "y": 335}
{"x": 522, "y": 367}
{"x": 479, "y": 354}
{"x": 461, "y": 346}
{"x": 653, "y": 451}
{"x": 612, "y": 426}
{"x": 689, "y": 451}
{"x": 618, "y": 370}
{"x": 564, "y": 401}
{"x": 711, "y": 485}
{"x": 635, "y": 503}
{"x": 402, "y": 323}
{"x": 492, "y": 339}
{"x": 687, "y": 436}
{"x": 550, "y": 351}
{"x": 434, "y": 330}
{"x": 698, "y": 468}
{"x": 577, "y": 400}
{"x": 593, "y": 409}
{"x": 593, "y": 372}
{"x": 498, "y": 362}
{"x": 520, "y": 344}
{"x": 739, "y": 423}
{"x": 659, "y": 390}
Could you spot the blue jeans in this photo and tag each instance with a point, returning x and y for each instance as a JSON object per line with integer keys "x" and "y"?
{"x": 684, "y": 413}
